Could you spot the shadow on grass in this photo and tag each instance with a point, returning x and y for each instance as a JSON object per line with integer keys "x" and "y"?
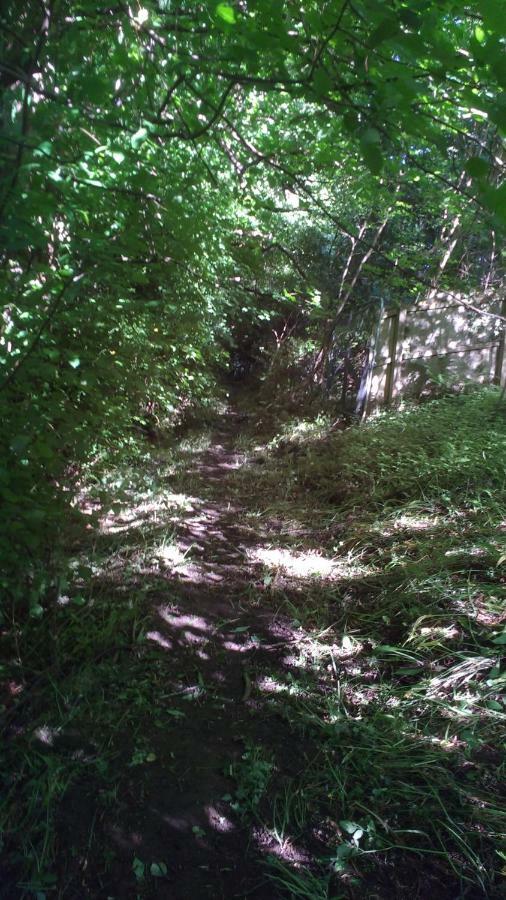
{"x": 254, "y": 699}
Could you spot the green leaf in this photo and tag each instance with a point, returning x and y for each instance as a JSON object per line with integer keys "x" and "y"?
{"x": 479, "y": 34}
{"x": 493, "y": 14}
{"x": 410, "y": 18}
{"x": 370, "y": 136}
{"x": 501, "y": 639}
{"x": 477, "y": 167}
{"x": 373, "y": 157}
{"x": 498, "y": 114}
{"x": 495, "y": 199}
{"x": 138, "y": 868}
{"x": 387, "y": 29}
{"x": 349, "y": 827}
{"x": 226, "y": 13}
{"x": 94, "y": 88}
{"x": 158, "y": 870}
{"x": 343, "y": 853}
{"x": 19, "y": 443}
{"x": 43, "y": 149}
{"x": 493, "y": 704}
{"x": 322, "y": 83}
{"x": 75, "y": 362}
{"x": 138, "y": 138}
{"x": 36, "y": 611}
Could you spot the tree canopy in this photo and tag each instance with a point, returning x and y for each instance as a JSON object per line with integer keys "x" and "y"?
{"x": 187, "y": 186}
{"x": 168, "y": 169}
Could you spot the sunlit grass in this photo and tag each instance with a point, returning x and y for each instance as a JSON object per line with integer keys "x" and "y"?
{"x": 388, "y": 665}
{"x": 408, "y": 707}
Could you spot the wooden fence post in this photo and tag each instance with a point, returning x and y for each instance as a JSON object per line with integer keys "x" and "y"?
{"x": 392, "y": 358}
{"x": 500, "y": 361}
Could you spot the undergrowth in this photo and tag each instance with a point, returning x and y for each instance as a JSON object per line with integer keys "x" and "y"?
{"x": 395, "y": 680}
{"x": 406, "y": 796}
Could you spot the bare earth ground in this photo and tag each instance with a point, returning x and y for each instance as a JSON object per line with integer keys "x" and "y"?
{"x": 220, "y": 642}
{"x": 211, "y": 716}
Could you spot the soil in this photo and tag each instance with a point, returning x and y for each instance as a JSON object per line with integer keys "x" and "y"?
{"x": 214, "y": 644}
{"x": 197, "y": 794}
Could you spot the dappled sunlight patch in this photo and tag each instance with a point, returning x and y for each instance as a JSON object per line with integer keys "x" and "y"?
{"x": 302, "y": 431}
{"x": 217, "y": 821}
{"x": 460, "y": 674}
{"x": 309, "y": 565}
{"x": 467, "y": 552}
{"x": 413, "y": 522}
{"x": 485, "y": 608}
{"x": 181, "y": 620}
{"x": 433, "y": 633}
{"x": 47, "y": 734}
{"x": 270, "y": 685}
{"x": 150, "y": 508}
{"x": 295, "y": 661}
{"x": 238, "y": 647}
{"x": 446, "y": 743}
{"x": 300, "y": 565}
{"x": 195, "y": 443}
{"x": 159, "y": 639}
{"x": 188, "y": 570}
{"x": 269, "y": 841}
{"x": 189, "y": 637}
{"x": 196, "y": 574}
{"x": 171, "y": 554}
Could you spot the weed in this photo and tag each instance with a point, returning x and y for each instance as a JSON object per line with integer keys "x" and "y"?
{"x": 252, "y": 774}
{"x": 404, "y": 692}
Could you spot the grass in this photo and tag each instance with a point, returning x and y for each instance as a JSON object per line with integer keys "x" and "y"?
{"x": 81, "y": 681}
{"x": 409, "y": 708}
{"x": 389, "y": 780}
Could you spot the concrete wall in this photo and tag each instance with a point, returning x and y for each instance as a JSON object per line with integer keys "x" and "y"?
{"x": 438, "y": 338}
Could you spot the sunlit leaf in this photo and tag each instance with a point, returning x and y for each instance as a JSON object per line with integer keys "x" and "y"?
{"x": 226, "y": 13}
{"x": 139, "y": 137}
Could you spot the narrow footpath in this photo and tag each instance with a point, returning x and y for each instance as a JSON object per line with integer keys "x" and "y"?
{"x": 191, "y": 794}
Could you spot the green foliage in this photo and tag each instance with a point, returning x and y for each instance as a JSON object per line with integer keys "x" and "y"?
{"x": 161, "y": 181}
{"x": 252, "y": 774}
{"x": 400, "y": 672}
{"x": 451, "y": 450}
{"x": 389, "y": 693}
{"x": 174, "y": 178}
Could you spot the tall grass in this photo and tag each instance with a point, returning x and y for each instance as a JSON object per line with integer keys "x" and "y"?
{"x": 407, "y": 789}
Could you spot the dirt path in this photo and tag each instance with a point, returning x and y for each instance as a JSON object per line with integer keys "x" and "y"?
{"x": 221, "y": 642}
{"x": 249, "y": 689}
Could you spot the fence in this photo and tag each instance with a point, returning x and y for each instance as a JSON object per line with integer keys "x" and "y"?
{"x": 439, "y": 340}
